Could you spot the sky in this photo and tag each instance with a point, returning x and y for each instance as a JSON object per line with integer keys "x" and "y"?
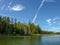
{"x": 45, "y": 13}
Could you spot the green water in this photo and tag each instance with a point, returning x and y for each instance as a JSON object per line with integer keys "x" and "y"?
{"x": 30, "y": 40}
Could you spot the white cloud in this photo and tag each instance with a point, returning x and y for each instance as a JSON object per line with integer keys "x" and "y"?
{"x": 53, "y": 21}
{"x": 50, "y": 0}
{"x": 48, "y": 21}
{"x": 53, "y": 24}
{"x": 36, "y": 14}
{"x": 56, "y": 18}
{"x": 17, "y": 8}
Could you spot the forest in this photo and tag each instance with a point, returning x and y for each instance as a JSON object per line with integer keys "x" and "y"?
{"x": 10, "y": 26}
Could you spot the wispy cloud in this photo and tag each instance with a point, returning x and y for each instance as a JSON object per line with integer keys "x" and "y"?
{"x": 40, "y": 8}
{"x": 4, "y": 7}
{"x": 17, "y": 7}
{"x": 53, "y": 21}
{"x": 38, "y": 11}
{"x": 56, "y": 18}
{"x": 9, "y": 5}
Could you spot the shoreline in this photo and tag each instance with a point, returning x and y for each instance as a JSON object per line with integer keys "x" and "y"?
{"x": 29, "y": 35}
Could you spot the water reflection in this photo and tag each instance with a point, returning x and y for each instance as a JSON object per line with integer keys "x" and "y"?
{"x": 11, "y": 40}
{"x": 30, "y": 40}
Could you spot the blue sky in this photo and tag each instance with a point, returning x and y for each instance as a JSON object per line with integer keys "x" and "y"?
{"x": 48, "y": 16}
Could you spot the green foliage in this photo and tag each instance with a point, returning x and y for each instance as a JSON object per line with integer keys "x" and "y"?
{"x": 12, "y": 27}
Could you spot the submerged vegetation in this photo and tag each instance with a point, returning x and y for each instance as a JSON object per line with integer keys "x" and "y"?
{"x": 12, "y": 27}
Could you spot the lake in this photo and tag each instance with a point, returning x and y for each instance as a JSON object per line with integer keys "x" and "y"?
{"x": 30, "y": 40}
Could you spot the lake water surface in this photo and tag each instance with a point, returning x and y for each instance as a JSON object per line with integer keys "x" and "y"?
{"x": 30, "y": 40}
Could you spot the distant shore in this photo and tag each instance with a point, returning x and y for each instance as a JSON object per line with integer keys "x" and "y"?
{"x": 44, "y": 34}
{"x": 29, "y": 35}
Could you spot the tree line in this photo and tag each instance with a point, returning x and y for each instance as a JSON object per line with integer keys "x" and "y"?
{"x": 10, "y": 26}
